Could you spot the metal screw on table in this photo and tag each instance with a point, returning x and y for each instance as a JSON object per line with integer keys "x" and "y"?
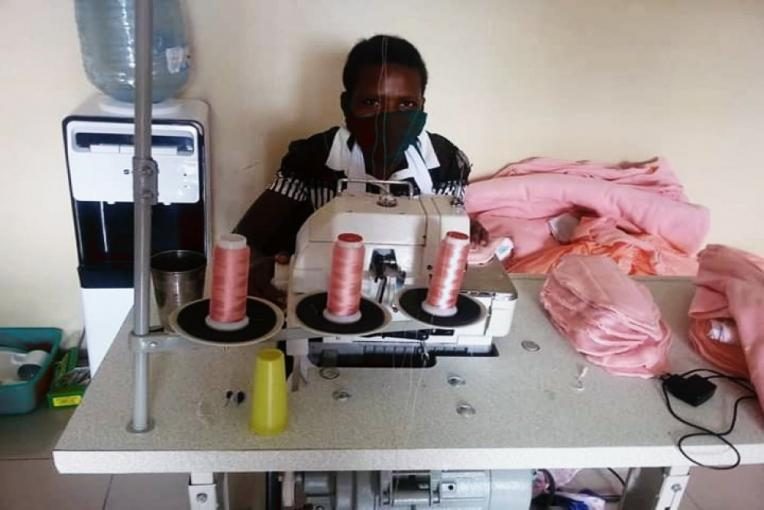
{"x": 676, "y": 487}
{"x": 579, "y": 382}
{"x": 341, "y": 395}
{"x": 329, "y": 373}
{"x": 153, "y": 344}
{"x": 530, "y": 346}
{"x": 465, "y": 410}
{"x": 456, "y": 380}
{"x": 201, "y": 497}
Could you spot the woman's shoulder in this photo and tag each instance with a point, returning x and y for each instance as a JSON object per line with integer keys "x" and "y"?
{"x": 307, "y": 156}
{"x": 316, "y": 143}
{"x": 441, "y": 144}
{"x": 453, "y": 162}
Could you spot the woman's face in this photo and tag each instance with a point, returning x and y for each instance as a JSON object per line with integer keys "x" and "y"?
{"x": 386, "y": 88}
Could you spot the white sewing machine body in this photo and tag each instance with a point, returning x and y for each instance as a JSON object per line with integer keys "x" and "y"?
{"x": 401, "y": 238}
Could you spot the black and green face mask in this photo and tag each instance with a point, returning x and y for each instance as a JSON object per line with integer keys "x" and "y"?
{"x": 384, "y": 137}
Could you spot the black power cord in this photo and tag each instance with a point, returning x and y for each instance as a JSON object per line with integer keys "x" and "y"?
{"x": 619, "y": 477}
{"x": 668, "y": 386}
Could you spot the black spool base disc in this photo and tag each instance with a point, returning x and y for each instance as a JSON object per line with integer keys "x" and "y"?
{"x": 310, "y": 312}
{"x": 468, "y": 311}
{"x": 265, "y": 320}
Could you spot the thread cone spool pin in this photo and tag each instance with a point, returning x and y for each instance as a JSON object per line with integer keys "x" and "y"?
{"x": 342, "y": 311}
{"x": 343, "y": 303}
{"x": 439, "y": 312}
{"x": 448, "y": 275}
{"x": 230, "y": 277}
{"x": 442, "y": 304}
{"x": 309, "y": 314}
{"x": 469, "y": 310}
{"x": 229, "y": 317}
{"x": 339, "y": 319}
{"x": 265, "y": 321}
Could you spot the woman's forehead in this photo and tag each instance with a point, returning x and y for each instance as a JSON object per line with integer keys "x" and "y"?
{"x": 388, "y": 80}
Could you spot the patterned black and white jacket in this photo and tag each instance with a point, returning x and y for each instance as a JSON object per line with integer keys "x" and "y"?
{"x": 310, "y": 172}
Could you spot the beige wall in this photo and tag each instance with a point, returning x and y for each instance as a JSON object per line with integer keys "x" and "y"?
{"x": 601, "y": 79}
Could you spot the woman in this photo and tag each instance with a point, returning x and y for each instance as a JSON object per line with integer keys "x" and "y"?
{"x": 384, "y": 139}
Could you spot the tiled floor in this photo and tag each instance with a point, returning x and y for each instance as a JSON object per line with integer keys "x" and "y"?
{"x": 29, "y": 481}
{"x": 35, "y": 485}
{"x": 739, "y": 489}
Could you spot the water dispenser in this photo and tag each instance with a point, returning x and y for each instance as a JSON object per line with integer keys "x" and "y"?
{"x": 98, "y": 140}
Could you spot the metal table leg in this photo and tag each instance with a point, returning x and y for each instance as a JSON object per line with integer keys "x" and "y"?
{"x": 202, "y": 492}
{"x": 658, "y": 488}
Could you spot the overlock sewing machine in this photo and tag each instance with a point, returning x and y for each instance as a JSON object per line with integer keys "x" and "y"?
{"x": 401, "y": 235}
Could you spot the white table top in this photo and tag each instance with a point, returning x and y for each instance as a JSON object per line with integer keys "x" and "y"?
{"x": 528, "y": 413}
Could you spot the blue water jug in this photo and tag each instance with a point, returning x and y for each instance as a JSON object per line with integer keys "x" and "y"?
{"x": 107, "y": 40}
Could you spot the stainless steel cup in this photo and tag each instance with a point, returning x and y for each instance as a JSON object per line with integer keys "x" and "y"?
{"x": 178, "y": 277}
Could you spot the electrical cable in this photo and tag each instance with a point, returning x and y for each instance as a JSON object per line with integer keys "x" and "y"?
{"x": 703, "y": 431}
{"x": 740, "y": 381}
{"x": 619, "y": 477}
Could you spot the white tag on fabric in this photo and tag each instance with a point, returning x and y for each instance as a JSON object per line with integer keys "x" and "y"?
{"x": 504, "y": 249}
{"x": 724, "y": 331}
{"x": 501, "y": 248}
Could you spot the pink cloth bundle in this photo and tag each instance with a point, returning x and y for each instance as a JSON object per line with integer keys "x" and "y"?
{"x": 727, "y": 313}
{"x": 635, "y": 213}
{"x": 637, "y": 254}
{"x": 654, "y": 175}
{"x": 608, "y": 317}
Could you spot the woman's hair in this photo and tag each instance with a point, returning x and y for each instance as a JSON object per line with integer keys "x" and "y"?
{"x": 378, "y": 50}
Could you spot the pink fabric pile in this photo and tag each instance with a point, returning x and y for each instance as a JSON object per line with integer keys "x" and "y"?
{"x": 727, "y": 313}
{"x": 634, "y": 213}
{"x": 607, "y": 316}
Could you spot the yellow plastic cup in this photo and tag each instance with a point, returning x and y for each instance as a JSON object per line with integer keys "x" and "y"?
{"x": 268, "y": 415}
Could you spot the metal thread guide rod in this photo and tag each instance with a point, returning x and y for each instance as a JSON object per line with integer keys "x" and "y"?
{"x": 144, "y": 197}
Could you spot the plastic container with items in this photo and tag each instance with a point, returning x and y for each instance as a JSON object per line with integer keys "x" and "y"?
{"x": 69, "y": 381}
{"x": 26, "y": 358}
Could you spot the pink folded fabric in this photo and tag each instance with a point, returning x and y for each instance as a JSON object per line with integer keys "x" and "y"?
{"x": 608, "y": 317}
{"x": 730, "y": 295}
{"x": 635, "y": 254}
{"x": 682, "y": 225}
{"x": 634, "y": 213}
{"x": 654, "y": 174}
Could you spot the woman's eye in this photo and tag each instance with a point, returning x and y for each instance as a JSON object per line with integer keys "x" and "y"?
{"x": 408, "y": 105}
{"x": 370, "y": 101}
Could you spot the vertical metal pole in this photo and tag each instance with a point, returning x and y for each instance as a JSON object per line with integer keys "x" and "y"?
{"x": 144, "y": 196}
